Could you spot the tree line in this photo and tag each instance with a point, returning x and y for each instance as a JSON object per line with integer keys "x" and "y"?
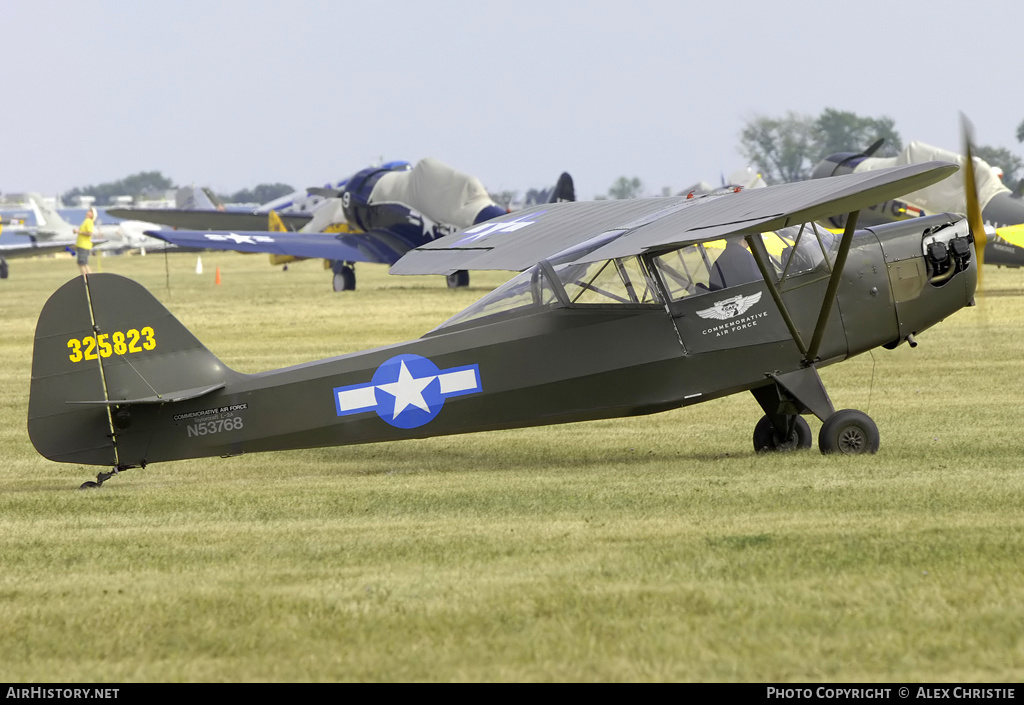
{"x": 782, "y": 149}
{"x": 154, "y": 185}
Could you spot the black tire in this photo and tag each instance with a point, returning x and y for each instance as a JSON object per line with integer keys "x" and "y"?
{"x": 457, "y": 280}
{"x": 849, "y": 432}
{"x": 4, "y": 271}
{"x": 767, "y": 439}
{"x": 88, "y": 485}
{"x": 345, "y": 279}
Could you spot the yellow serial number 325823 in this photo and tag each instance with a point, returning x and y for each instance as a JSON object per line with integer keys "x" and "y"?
{"x": 93, "y": 347}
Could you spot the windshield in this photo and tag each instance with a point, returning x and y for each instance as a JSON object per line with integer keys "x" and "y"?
{"x": 618, "y": 281}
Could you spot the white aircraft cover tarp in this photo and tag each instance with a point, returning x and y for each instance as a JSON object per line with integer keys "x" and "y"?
{"x": 439, "y": 192}
{"x": 946, "y": 195}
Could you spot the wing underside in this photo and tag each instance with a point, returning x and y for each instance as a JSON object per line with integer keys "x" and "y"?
{"x": 207, "y": 219}
{"x": 350, "y": 247}
{"x": 599, "y": 230}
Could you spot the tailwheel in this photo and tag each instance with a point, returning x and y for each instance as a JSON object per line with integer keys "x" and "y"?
{"x": 100, "y": 479}
{"x": 767, "y": 438}
{"x": 850, "y": 432}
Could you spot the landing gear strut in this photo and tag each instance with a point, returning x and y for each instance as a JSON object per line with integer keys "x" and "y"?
{"x": 847, "y": 431}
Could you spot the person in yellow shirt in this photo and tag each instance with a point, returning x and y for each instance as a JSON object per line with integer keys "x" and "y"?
{"x": 84, "y": 243}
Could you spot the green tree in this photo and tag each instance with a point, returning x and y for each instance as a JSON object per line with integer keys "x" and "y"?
{"x": 262, "y": 193}
{"x": 504, "y": 198}
{"x": 145, "y": 184}
{"x": 1020, "y": 131}
{"x": 842, "y": 131}
{"x": 1010, "y": 163}
{"x": 782, "y": 149}
{"x": 788, "y": 148}
{"x": 626, "y": 188}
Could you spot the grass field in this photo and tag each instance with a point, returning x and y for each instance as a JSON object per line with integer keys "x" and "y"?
{"x": 657, "y": 548}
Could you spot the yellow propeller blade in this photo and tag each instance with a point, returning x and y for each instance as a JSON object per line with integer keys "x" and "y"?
{"x": 973, "y": 206}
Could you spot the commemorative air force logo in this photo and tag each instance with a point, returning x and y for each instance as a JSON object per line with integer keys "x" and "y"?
{"x": 407, "y": 391}
{"x": 730, "y": 308}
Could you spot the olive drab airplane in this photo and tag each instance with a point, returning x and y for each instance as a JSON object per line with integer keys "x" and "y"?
{"x": 1002, "y": 212}
{"x": 621, "y": 308}
{"x": 376, "y": 215}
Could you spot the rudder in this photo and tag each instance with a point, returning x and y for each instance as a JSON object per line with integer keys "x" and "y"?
{"x": 103, "y": 344}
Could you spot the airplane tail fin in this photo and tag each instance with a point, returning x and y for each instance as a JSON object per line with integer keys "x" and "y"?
{"x": 195, "y": 198}
{"x": 107, "y": 357}
{"x": 48, "y": 221}
{"x": 274, "y": 223}
{"x": 564, "y": 190}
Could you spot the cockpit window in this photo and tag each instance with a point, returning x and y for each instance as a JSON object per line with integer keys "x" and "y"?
{"x": 621, "y": 281}
{"x": 800, "y": 249}
{"x": 531, "y": 288}
{"x": 697, "y": 269}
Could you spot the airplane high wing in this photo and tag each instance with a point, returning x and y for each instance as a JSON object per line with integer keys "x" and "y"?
{"x": 633, "y": 227}
{"x": 13, "y": 246}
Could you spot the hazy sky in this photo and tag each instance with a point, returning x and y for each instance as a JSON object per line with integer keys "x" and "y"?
{"x": 233, "y": 93}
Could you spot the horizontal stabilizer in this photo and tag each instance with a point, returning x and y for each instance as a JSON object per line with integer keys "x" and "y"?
{"x": 165, "y": 398}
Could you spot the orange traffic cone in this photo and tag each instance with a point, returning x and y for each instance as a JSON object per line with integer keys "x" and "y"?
{"x": 217, "y": 280}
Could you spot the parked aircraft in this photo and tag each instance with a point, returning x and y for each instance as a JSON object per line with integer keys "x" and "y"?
{"x": 377, "y": 215}
{"x": 619, "y": 312}
{"x": 112, "y": 237}
{"x": 1002, "y": 212}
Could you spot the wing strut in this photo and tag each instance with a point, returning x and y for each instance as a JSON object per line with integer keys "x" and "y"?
{"x": 756, "y": 246}
{"x": 833, "y": 287}
{"x": 810, "y": 352}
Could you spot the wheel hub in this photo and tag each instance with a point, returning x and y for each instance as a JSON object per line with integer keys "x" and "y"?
{"x": 852, "y": 440}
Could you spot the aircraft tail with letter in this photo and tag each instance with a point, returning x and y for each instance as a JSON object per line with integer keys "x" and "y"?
{"x": 104, "y": 345}
{"x": 49, "y": 223}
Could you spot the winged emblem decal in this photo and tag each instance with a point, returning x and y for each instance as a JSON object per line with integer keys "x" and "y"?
{"x": 730, "y": 308}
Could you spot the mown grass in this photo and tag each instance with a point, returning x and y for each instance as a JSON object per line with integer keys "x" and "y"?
{"x": 657, "y": 548}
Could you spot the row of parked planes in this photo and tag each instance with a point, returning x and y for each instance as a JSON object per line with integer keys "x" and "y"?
{"x": 382, "y": 212}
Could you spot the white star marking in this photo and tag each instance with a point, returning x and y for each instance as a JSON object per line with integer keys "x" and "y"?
{"x": 407, "y": 391}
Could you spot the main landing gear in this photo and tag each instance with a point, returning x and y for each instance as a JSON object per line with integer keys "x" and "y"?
{"x": 846, "y": 431}
{"x": 457, "y": 280}
{"x": 344, "y": 275}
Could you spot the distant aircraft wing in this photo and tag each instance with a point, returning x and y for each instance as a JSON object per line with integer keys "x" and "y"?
{"x": 207, "y": 219}
{"x": 30, "y": 248}
{"x": 350, "y": 247}
{"x": 590, "y": 231}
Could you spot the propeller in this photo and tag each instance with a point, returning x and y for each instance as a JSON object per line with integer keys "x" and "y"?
{"x": 974, "y": 218}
